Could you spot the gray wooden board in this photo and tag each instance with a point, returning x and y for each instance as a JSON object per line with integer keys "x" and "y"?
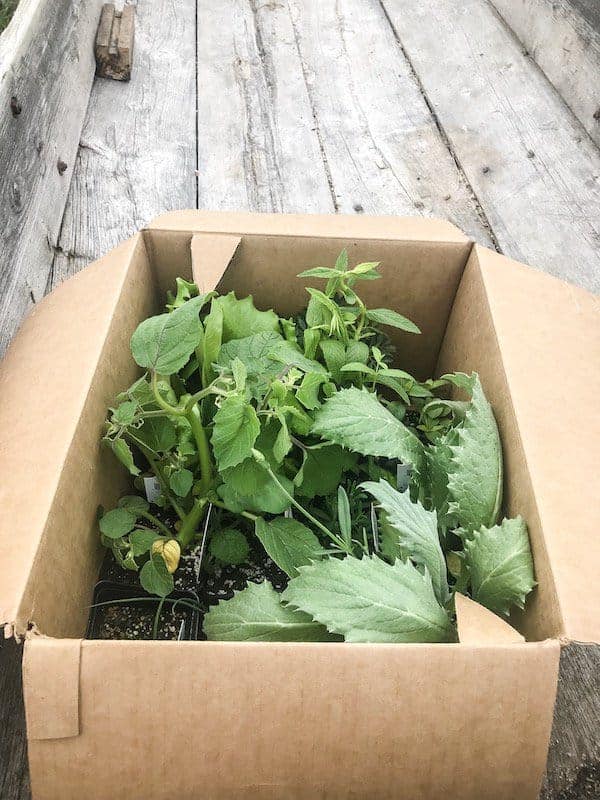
{"x": 532, "y": 166}
{"x": 46, "y": 72}
{"x": 563, "y": 37}
{"x": 138, "y": 145}
{"x": 307, "y": 106}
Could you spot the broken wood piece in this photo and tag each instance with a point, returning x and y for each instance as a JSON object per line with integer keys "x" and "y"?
{"x": 114, "y": 43}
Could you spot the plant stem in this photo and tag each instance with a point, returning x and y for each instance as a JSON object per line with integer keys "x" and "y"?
{"x": 157, "y": 618}
{"x": 160, "y": 401}
{"x": 193, "y": 417}
{"x": 335, "y": 539}
{"x": 154, "y": 466}
{"x": 190, "y": 524}
{"x": 151, "y": 518}
{"x": 246, "y": 514}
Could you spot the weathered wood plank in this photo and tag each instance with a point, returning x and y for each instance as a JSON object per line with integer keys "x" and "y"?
{"x": 563, "y": 38}
{"x": 384, "y": 150}
{"x": 533, "y": 168}
{"x": 573, "y": 769}
{"x": 258, "y": 148}
{"x": 46, "y": 72}
{"x": 138, "y": 145}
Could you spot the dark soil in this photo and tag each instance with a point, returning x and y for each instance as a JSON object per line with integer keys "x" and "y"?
{"x": 136, "y": 622}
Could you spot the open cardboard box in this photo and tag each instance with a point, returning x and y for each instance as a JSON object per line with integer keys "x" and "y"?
{"x": 151, "y": 719}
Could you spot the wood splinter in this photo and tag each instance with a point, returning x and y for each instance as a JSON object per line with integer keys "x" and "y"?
{"x": 114, "y": 43}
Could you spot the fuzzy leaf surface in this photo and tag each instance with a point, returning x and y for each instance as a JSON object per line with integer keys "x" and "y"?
{"x": 368, "y": 600}
{"x": 241, "y": 318}
{"x": 500, "y": 565}
{"x": 416, "y": 529}
{"x": 236, "y": 427}
{"x": 256, "y": 614}
{"x": 289, "y": 543}
{"x": 355, "y": 419}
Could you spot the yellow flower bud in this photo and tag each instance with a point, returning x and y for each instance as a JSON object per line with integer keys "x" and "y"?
{"x": 170, "y": 551}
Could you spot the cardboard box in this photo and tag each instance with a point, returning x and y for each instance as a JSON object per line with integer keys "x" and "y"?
{"x": 149, "y": 719}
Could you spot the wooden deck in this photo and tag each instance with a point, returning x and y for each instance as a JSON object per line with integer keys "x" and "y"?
{"x": 484, "y": 112}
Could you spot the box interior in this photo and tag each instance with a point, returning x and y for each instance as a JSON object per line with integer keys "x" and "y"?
{"x": 420, "y": 279}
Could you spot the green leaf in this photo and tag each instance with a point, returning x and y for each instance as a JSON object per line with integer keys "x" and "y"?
{"x": 322, "y": 470}
{"x": 123, "y": 452}
{"x": 320, "y": 272}
{"x": 357, "y": 352}
{"x": 416, "y": 530}
{"x": 356, "y": 366}
{"x": 355, "y": 419}
{"x": 236, "y": 427}
{"x": 385, "y": 316}
{"x": 475, "y": 477}
{"x": 155, "y": 577}
{"x": 241, "y": 318}
{"x": 334, "y": 354}
{"x": 185, "y": 290}
{"x": 253, "y": 351}
{"x": 283, "y": 442}
{"x": 229, "y": 546}
{"x": 500, "y": 565}
{"x": 124, "y": 414}
{"x": 181, "y": 482}
{"x": 256, "y": 615}
{"x": 368, "y": 600}
{"x": 308, "y": 391}
{"x": 211, "y": 342}
{"x": 247, "y": 477}
{"x": 141, "y": 541}
{"x": 165, "y": 343}
{"x": 286, "y": 352}
{"x": 132, "y": 502}
{"x": 117, "y": 523}
{"x": 367, "y": 266}
{"x": 341, "y": 262}
{"x": 267, "y": 498}
{"x": 158, "y": 433}
{"x": 289, "y": 543}
{"x": 344, "y": 516}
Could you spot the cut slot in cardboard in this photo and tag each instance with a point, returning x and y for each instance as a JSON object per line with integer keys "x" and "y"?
{"x": 224, "y": 720}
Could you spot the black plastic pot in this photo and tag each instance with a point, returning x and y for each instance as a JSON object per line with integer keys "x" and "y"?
{"x": 106, "y": 591}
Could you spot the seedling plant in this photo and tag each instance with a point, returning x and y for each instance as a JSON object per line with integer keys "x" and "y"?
{"x": 377, "y": 494}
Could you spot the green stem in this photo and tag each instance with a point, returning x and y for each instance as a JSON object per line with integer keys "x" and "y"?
{"x": 335, "y": 539}
{"x": 151, "y": 518}
{"x": 160, "y": 401}
{"x": 190, "y": 524}
{"x": 246, "y": 514}
{"x": 156, "y": 469}
{"x": 193, "y": 417}
{"x": 157, "y": 618}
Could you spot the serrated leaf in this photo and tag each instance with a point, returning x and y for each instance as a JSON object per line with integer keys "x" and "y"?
{"x": 368, "y": 600}
{"x": 475, "y": 478}
{"x": 123, "y": 452}
{"x": 124, "y": 414}
{"x": 256, "y": 614}
{"x": 416, "y": 530}
{"x": 439, "y": 462}
{"x": 385, "y": 316}
{"x": 165, "y": 343}
{"x": 500, "y": 565}
{"x": 236, "y": 427}
{"x": 355, "y": 419}
{"x": 181, "y": 482}
{"x": 141, "y": 541}
{"x": 322, "y": 470}
{"x": 241, "y": 318}
{"x": 229, "y": 546}
{"x": 117, "y": 523}
{"x": 155, "y": 577}
{"x": 288, "y": 543}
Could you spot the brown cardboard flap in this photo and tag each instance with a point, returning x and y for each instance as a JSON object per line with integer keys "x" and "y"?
{"x": 45, "y": 381}
{"x": 327, "y": 225}
{"x": 478, "y": 625}
{"x": 51, "y": 688}
{"x": 225, "y": 720}
{"x": 549, "y": 338}
{"x": 211, "y": 254}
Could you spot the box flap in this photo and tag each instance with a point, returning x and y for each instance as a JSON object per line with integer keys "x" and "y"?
{"x": 345, "y": 226}
{"x": 548, "y": 333}
{"x": 51, "y": 687}
{"x": 211, "y": 255}
{"x": 64, "y": 335}
{"x": 478, "y": 625}
{"x": 304, "y": 721}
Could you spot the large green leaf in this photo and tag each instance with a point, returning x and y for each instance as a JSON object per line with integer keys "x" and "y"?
{"x": 475, "y": 478}
{"x": 241, "y": 318}
{"x": 256, "y": 615}
{"x": 117, "y": 523}
{"x": 289, "y": 543}
{"x": 265, "y": 498}
{"x": 500, "y": 565}
{"x": 123, "y": 452}
{"x": 155, "y": 577}
{"x": 385, "y": 316}
{"x": 264, "y": 354}
{"x": 368, "y": 600}
{"x": 416, "y": 530}
{"x": 322, "y": 469}
{"x": 236, "y": 427}
{"x": 355, "y": 419}
{"x": 165, "y": 343}
{"x": 157, "y": 433}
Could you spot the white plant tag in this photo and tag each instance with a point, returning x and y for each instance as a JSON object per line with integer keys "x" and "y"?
{"x": 152, "y": 489}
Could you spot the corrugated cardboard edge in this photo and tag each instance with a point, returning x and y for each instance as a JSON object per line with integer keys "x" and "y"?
{"x": 559, "y": 427}
{"x": 29, "y": 352}
{"x": 51, "y": 688}
{"x": 478, "y": 625}
{"x": 343, "y": 226}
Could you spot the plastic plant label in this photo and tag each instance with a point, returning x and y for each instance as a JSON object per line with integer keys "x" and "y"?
{"x": 152, "y": 489}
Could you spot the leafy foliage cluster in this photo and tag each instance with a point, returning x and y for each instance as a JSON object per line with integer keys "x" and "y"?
{"x": 377, "y": 495}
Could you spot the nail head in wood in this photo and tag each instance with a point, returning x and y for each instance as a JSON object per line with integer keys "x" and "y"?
{"x": 114, "y": 42}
